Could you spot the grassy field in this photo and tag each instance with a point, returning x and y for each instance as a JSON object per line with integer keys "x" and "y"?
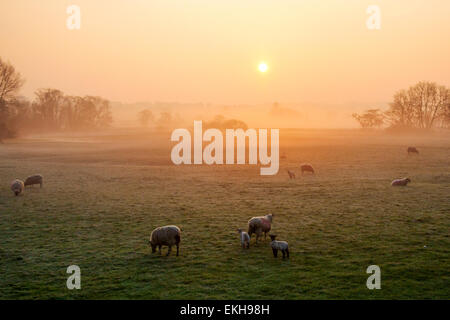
{"x": 104, "y": 194}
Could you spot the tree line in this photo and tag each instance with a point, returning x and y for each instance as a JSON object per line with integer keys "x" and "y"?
{"x": 425, "y": 105}
{"x": 50, "y": 110}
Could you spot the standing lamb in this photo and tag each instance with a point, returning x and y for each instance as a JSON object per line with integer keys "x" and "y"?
{"x": 400, "y": 182}
{"x": 279, "y": 245}
{"x": 291, "y": 174}
{"x": 17, "y": 187}
{"x": 259, "y": 225}
{"x": 306, "y": 168}
{"x": 412, "y": 150}
{"x": 35, "y": 179}
{"x": 245, "y": 239}
{"x": 165, "y": 236}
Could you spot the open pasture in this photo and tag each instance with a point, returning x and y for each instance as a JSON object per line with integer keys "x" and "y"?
{"x": 104, "y": 194}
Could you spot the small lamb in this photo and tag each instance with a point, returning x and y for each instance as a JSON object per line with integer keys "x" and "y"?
{"x": 245, "y": 239}
{"x": 291, "y": 174}
{"x": 279, "y": 245}
{"x": 400, "y": 182}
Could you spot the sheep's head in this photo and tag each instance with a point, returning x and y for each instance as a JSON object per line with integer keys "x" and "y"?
{"x": 153, "y": 246}
{"x": 239, "y": 230}
{"x": 16, "y": 192}
{"x": 270, "y": 217}
{"x": 408, "y": 180}
{"x": 273, "y": 236}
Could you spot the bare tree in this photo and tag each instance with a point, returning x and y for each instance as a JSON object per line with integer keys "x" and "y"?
{"x": 10, "y": 83}
{"x": 47, "y": 108}
{"x": 145, "y": 116}
{"x": 421, "y": 106}
{"x": 372, "y": 118}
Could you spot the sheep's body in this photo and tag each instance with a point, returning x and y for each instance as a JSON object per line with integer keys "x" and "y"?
{"x": 35, "y": 179}
{"x": 412, "y": 150}
{"x": 306, "y": 168}
{"x": 276, "y": 245}
{"x": 400, "y": 182}
{"x": 17, "y": 187}
{"x": 291, "y": 174}
{"x": 165, "y": 236}
{"x": 259, "y": 225}
{"x": 245, "y": 239}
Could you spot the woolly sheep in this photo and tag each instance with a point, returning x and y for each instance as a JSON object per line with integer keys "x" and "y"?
{"x": 279, "y": 245}
{"x": 306, "y": 168}
{"x": 245, "y": 239}
{"x": 17, "y": 187}
{"x": 401, "y": 182}
{"x": 35, "y": 179}
{"x": 259, "y": 225}
{"x": 165, "y": 236}
{"x": 412, "y": 150}
{"x": 291, "y": 174}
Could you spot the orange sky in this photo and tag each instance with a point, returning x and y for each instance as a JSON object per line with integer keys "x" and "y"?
{"x": 206, "y": 50}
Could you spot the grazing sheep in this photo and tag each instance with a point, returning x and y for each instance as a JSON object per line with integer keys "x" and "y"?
{"x": 245, "y": 239}
{"x": 401, "y": 182}
{"x": 306, "y": 168}
{"x": 412, "y": 150}
{"x": 17, "y": 187}
{"x": 165, "y": 236}
{"x": 35, "y": 179}
{"x": 291, "y": 174}
{"x": 279, "y": 245}
{"x": 259, "y": 225}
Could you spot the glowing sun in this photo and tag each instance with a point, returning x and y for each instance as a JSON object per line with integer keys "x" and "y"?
{"x": 263, "y": 67}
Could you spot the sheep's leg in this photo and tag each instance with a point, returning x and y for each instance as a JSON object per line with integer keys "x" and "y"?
{"x": 159, "y": 249}
{"x": 178, "y": 249}
{"x": 275, "y": 252}
{"x": 170, "y": 249}
{"x": 287, "y": 252}
{"x": 248, "y": 245}
{"x": 284, "y": 254}
{"x": 265, "y": 233}
{"x": 243, "y": 245}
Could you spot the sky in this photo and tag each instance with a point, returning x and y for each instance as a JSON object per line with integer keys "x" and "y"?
{"x": 209, "y": 51}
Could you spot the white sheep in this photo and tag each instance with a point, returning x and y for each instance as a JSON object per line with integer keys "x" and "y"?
{"x": 259, "y": 225}
{"x": 400, "y": 182}
{"x": 165, "y": 236}
{"x": 17, "y": 187}
{"x": 245, "y": 239}
{"x": 307, "y": 168}
{"x": 35, "y": 179}
{"x": 279, "y": 245}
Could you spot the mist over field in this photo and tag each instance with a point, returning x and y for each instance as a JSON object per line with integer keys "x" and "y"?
{"x": 104, "y": 193}
{"x": 269, "y": 115}
{"x": 109, "y": 189}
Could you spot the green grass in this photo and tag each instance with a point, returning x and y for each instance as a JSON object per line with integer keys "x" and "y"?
{"x": 102, "y": 198}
